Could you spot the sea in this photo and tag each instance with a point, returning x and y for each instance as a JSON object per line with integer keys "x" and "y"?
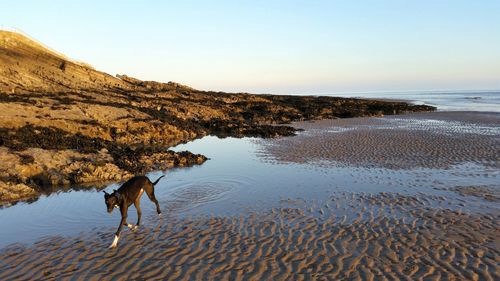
{"x": 485, "y": 101}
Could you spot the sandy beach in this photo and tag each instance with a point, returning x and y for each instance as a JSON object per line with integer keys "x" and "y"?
{"x": 391, "y": 237}
{"x": 429, "y": 227}
{"x": 250, "y": 140}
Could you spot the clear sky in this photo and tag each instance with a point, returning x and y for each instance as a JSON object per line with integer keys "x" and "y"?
{"x": 277, "y": 46}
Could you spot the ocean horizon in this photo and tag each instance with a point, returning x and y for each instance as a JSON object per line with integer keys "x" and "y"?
{"x": 467, "y": 100}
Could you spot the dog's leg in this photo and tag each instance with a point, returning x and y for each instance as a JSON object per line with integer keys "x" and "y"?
{"x": 129, "y": 225}
{"x": 137, "y": 205}
{"x": 115, "y": 241}
{"x": 150, "y": 191}
{"x": 123, "y": 211}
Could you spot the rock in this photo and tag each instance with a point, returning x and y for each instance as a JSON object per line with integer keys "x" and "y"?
{"x": 90, "y": 126}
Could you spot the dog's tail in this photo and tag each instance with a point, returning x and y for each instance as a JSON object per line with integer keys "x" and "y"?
{"x": 154, "y": 183}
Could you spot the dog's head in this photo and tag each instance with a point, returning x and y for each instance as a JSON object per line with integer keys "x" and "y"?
{"x": 112, "y": 200}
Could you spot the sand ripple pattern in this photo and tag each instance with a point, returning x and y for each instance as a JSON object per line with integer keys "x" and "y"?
{"x": 392, "y": 237}
{"x": 429, "y": 140}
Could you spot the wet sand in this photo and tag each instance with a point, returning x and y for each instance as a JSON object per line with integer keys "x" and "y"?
{"x": 391, "y": 237}
{"x": 429, "y": 140}
{"x": 425, "y": 231}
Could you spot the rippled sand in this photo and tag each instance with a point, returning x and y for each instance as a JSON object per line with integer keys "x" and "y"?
{"x": 436, "y": 229}
{"x": 392, "y": 236}
{"x": 429, "y": 140}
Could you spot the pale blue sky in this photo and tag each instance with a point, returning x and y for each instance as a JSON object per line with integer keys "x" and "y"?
{"x": 277, "y": 46}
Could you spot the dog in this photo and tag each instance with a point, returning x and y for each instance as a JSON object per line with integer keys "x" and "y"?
{"x": 130, "y": 193}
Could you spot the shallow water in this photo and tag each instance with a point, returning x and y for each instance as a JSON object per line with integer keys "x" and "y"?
{"x": 241, "y": 178}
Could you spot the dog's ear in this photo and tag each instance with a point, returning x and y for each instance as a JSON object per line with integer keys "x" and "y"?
{"x": 118, "y": 195}
{"x": 106, "y": 195}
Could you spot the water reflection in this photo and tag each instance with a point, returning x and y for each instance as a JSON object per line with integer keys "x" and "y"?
{"x": 51, "y": 190}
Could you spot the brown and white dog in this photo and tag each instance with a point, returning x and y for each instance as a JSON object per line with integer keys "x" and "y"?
{"x": 130, "y": 193}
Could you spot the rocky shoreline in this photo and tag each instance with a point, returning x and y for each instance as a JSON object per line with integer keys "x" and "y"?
{"x": 93, "y": 149}
{"x": 63, "y": 123}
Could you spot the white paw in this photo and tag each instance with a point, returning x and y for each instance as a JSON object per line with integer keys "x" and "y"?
{"x": 132, "y": 227}
{"x": 115, "y": 242}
